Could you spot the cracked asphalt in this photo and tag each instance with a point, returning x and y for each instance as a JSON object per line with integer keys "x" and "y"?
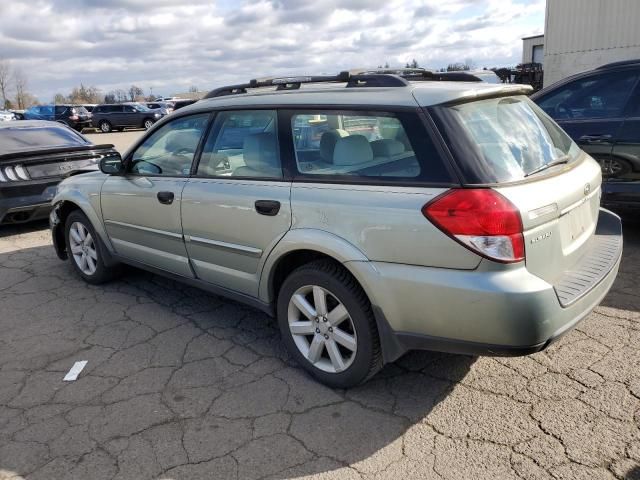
{"x": 182, "y": 384}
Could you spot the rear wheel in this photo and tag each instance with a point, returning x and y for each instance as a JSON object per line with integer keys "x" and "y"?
{"x": 614, "y": 167}
{"x": 328, "y": 326}
{"x": 147, "y": 124}
{"x": 105, "y": 127}
{"x": 85, "y": 248}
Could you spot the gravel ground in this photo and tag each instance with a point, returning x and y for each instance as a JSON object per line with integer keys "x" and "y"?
{"x": 182, "y": 384}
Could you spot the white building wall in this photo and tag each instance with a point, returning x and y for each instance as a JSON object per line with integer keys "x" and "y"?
{"x": 527, "y": 47}
{"x": 584, "y": 34}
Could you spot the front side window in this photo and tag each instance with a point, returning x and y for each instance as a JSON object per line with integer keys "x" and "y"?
{"x": 601, "y": 96}
{"x": 169, "y": 151}
{"x": 353, "y": 144}
{"x": 129, "y": 109}
{"x": 242, "y": 144}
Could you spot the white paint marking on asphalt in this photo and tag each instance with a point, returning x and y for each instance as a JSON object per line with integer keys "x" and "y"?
{"x": 75, "y": 371}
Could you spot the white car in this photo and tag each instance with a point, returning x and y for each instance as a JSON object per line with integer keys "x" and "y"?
{"x": 6, "y": 116}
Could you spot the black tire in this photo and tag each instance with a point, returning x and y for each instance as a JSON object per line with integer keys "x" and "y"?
{"x": 104, "y": 126}
{"x": 615, "y": 167}
{"x": 341, "y": 284}
{"x": 103, "y": 273}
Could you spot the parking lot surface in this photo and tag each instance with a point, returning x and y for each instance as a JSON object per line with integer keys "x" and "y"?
{"x": 181, "y": 384}
{"x": 120, "y": 140}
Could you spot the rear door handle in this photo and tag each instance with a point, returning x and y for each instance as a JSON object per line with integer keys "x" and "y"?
{"x": 595, "y": 138}
{"x": 165, "y": 197}
{"x": 269, "y": 208}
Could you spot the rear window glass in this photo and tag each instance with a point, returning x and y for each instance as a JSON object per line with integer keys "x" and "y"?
{"x": 501, "y": 140}
{"x": 22, "y": 138}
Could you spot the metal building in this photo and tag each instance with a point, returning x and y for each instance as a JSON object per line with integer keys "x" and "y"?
{"x": 584, "y": 34}
{"x": 533, "y": 49}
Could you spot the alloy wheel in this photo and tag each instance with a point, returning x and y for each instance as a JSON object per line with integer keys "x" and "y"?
{"x": 148, "y": 124}
{"x": 611, "y": 167}
{"x": 322, "y": 329}
{"x": 83, "y": 248}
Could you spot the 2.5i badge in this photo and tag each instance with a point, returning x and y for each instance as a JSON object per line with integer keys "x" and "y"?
{"x": 544, "y": 236}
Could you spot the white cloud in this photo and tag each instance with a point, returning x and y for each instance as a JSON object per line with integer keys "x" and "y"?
{"x": 172, "y": 44}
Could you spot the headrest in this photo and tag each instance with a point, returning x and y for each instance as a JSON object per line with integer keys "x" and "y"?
{"x": 352, "y": 150}
{"x": 260, "y": 150}
{"x": 386, "y": 147}
{"x": 186, "y": 139}
{"x": 328, "y": 143}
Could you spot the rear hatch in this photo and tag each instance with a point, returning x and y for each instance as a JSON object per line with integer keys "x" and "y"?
{"x": 510, "y": 145}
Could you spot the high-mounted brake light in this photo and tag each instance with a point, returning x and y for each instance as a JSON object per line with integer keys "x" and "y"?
{"x": 480, "y": 219}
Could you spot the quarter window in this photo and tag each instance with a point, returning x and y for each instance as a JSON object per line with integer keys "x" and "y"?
{"x": 242, "y": 144}
{"x": 169, "y": 151}
{"x": 602, "y": 96}
{"x": 353, "y": 144}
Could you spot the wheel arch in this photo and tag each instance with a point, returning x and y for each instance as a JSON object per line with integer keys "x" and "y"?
{"x": 300, "y": 246}
{"x": 63, "y": 206}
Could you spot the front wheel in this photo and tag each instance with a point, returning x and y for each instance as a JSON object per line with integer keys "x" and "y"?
{"x": 615, "y": 167}
{"x": 105, "y": 127}
{"x": 148, "y": 123}
{"x": 84, "y": 248}
{"x": 328, "y": 326}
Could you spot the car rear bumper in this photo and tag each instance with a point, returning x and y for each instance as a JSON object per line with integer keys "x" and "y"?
{"x": 26, "y": 201}
{"x": 492, "y": 310}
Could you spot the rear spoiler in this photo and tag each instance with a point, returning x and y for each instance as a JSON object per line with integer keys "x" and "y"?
{"x": 45, "y": 151}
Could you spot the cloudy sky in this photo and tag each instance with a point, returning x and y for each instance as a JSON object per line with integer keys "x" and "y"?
{"x": 169, "y": 45}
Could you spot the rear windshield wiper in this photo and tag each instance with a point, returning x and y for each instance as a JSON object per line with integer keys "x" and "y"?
{"x": 558, "y": 161}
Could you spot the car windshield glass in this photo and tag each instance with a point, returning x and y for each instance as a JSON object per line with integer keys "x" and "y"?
{"x": 503, "y": 139}
{"x": 20, "y": 138}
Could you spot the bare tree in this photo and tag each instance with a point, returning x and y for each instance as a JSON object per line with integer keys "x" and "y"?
{"x": 23, "y": 98}
{"x": 5, "y": 78}
{"x": 135, "y": 92}
{"x": 193, "y": 89}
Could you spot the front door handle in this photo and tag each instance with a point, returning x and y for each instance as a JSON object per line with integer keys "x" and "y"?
{"x": 165, "y": 197}
{"x": 269, "y": 208}
{"x": 595, "y": 138}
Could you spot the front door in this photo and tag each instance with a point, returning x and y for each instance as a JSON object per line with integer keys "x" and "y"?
{"x": 237, "y": 206}
{"x": 141, "y": 209}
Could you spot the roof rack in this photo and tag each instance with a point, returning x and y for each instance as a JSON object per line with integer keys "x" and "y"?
{"x": 293, "y": 83}
{"x": 618, "y": 64}
{"x": 354, "y": 78}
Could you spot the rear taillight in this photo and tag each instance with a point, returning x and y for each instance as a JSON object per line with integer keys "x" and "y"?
{"x": 480, "y": 219}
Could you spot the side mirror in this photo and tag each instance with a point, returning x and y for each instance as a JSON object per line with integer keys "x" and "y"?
{"x": 112, "y": 164}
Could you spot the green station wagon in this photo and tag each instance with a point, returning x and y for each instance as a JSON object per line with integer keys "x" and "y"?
{"x": 371, "y": 213}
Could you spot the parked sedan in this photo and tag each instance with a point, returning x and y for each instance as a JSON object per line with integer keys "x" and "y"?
{"x": 34, "y": 157}
{"x": 118, "y": 116}
{"x": 600, "y": 110}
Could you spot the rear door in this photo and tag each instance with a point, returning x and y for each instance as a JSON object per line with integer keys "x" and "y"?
{"x": 591, "y": 110}
{"x": 237, "y": 206}
{"x": 623, "y": 172}
{"x": 130, "y": 116}
{"x": 141, "y": 209}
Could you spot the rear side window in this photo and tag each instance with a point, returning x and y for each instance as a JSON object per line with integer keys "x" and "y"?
{"x": 363, "y": 146}
{"x": 242, "y": 144}
{"x": 502, "y": 139}
{"x": 600, "y": 96}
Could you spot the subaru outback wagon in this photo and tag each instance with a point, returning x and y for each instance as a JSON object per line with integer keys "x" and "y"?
{"x": 371, "y": 214}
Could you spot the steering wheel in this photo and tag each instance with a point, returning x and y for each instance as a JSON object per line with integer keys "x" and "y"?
{"x": 562, "y": 111}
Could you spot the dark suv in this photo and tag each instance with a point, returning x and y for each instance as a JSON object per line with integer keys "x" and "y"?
{"x": 110, "y": 117}
{"x": 74, "y": 116}
{"x": 600, "y": 110}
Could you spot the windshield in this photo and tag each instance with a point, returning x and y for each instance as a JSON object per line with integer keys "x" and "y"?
{"x": 502, "y": 139}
